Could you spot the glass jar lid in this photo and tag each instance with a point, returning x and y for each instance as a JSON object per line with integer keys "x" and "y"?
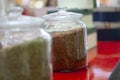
{"x": 62, "y": 14}
{"x": 15, "y": 19}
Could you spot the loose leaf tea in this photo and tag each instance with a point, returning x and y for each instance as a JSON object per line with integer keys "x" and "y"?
{"x": 68, "y": 49}
{"x": 25, "y": 61}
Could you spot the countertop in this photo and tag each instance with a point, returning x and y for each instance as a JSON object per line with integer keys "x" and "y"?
{"x": 101, "y": 62}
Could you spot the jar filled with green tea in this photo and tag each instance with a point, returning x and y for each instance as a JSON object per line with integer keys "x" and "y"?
{"x": 69, "y": 44}
{"x": 25, "y": 49}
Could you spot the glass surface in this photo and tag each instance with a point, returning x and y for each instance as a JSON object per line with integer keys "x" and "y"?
{"x": 68, "y": 33}
{"x": 25, "y": 48}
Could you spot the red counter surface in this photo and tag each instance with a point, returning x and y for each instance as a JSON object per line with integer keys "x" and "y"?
{"x": 101, "y": 62}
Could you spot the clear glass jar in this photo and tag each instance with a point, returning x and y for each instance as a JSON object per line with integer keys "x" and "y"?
{"x": 25, "y": 49}
{"x": 69, "y": 46}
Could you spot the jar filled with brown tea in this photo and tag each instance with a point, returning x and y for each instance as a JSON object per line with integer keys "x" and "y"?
{"x": 68, "y": 33}
{"x": 25, "y": 51}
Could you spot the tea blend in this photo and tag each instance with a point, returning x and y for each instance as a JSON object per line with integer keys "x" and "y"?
{"x": 68, "y": 50}
{"x": 26, "y": 61}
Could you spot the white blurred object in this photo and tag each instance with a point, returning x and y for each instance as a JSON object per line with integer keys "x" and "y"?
{"x": 80, "y": 4}
{"x": 24, "y": 2}
{"x": 31, "y": 3}
{"x": 115, "y": 3}
{"x": 111, "y": 3}
{"x": 36, "y": 4}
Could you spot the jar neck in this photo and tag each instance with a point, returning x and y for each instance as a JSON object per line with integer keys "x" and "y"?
{"x": 73, "y": 21}
{"x": 10, "y": 37}
{"x": 17, "y": 29}
{"x": 58, "y": 26}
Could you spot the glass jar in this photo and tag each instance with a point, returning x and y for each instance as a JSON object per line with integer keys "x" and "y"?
{"x": 69, "y": 44}
{"x": 25, "y": 49}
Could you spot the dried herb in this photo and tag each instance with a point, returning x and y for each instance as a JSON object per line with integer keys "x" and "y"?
{"x": 68, "y": 49}
{"x": 26, "y": 61}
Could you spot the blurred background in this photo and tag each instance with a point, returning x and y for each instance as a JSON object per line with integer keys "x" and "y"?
{"x": 102, "y": 17}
